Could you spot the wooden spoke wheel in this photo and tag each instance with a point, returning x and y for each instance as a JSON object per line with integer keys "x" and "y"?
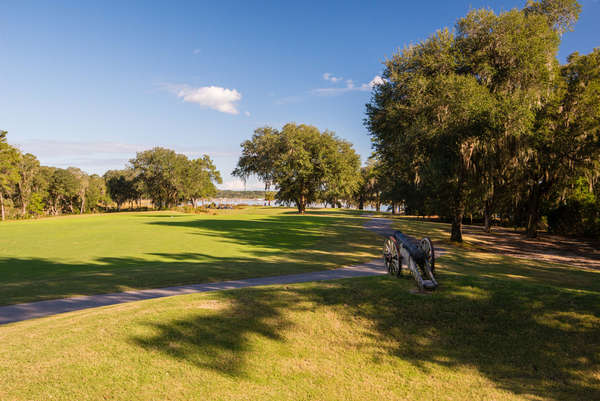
{"x": 427, "y": 247}
{"x": 392, "y": 257}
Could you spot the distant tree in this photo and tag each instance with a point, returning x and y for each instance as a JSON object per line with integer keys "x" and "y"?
{"x": 63, "y": 191}
{"x": 95, "y": 192}
{"x": 9, "y": 173}
{"x": 269, "y": 197}
{"x": 169, "y": 178}
{"x": 343, "y": 179}
{"x": 28, "y": 166}
{"x": 120, "y": 186}
{"x": 198, "y": 178}
{"x": 41, "y": 191}
{"x": 369, "y": 190}
{"x": 303, "y": 163}
{"x": 83, "y": 181}
{"x": 227, "y": 193}
{"x": 161, "y": 170}
{"x": 36, "y": 205}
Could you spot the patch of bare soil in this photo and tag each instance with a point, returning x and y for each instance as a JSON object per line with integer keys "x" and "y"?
{"x": 547, "y": 247}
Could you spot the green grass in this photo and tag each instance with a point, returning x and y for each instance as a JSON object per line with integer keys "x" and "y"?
{"x": 497, "y": 328}
{"x": 78, "y": 255}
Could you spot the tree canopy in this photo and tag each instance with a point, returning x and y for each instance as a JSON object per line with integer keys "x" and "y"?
{"x": 169, "y": 178}
{"x": 484, "y": 119}
{"x": 304, "y": 164}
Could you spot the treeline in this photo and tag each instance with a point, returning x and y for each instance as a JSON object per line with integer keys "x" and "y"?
{"x": 484, "y": 121}
{"x": 165, "y": 177}
{"x": 28, "y": 189}
{"x": 231, "y": 194}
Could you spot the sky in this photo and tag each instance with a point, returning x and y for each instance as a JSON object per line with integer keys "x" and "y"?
{"x": 89, "y": 84}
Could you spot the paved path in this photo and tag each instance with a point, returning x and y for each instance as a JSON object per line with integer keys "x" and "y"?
{"x": 18, "y": 312}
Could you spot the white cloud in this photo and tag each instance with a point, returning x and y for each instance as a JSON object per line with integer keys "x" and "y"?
{"x": 377, "y": 80}
{"x": 213, "y": 97}
{"x": 247, "y": 113}
{"x": 350, "y": 87}
{"x": 329, "y": 77}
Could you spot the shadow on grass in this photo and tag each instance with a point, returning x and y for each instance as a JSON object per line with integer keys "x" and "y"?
{"x": 271, "y": 246}
{"x": 532, "y": 337}
{"x": 221, "y": 340}
{"x": 285, "y": 232}
{"x": 333, "y": 212}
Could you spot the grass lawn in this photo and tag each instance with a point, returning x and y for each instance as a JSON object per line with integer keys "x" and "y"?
{"x": 497, "y": 328}
{"x": 77, "y": 255}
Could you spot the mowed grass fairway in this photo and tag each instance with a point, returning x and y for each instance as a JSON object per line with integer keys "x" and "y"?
{"x": 79, "y": 255}
{"x": 498, "y": 328}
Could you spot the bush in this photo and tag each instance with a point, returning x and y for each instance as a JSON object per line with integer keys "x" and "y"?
{"x": 579, "y": 215}
{"x": 36, "y": 205}
{"x": 191, "y": 209}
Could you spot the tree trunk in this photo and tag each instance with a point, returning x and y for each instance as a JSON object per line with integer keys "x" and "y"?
{"x": 487, "y": 211}
{"x": 82, "y": 204}
{"x": 2, "y": 205}
{"x": 301, "y": 204}
{"x": 533, "y": 213}
{"x": 378, "y": 206}
{"x": 457, "y": 218}
{"x": 361, "y": 205}
{"x": 57, "y": 207}
{"x": 22, "y": 199}
{"x": 456, "y": 234}
{"x": 393, "y": 207}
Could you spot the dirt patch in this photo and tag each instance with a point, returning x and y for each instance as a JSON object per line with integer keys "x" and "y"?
{"x": 547, "y": 247}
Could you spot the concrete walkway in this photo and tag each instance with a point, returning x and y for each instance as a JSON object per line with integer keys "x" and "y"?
{"x": 19, "y": 312}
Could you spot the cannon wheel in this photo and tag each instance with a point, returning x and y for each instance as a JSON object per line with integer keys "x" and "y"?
{"x": 391, "y": 257}
{"x": 427, "y": 247}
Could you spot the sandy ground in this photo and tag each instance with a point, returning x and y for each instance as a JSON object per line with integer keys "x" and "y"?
{"x": 551, "y": 248}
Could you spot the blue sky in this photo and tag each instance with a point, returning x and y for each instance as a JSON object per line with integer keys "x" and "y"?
{"x": 88, "y": 84}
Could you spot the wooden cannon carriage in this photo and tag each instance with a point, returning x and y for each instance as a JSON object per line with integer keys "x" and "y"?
{"x": 417, "y": 256}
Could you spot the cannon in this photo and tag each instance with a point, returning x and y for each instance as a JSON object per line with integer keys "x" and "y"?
{"x": 418, "y": 257}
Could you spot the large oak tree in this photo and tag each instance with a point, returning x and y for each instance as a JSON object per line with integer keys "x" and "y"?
{"x": 303, "y": 163}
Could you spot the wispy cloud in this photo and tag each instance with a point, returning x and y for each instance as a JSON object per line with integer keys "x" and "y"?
{"x": 99, "y": 156}
{"x": 212, "y": 97}
{"x": 196, "y": 51}
{"x": 350, "y": 86}
{"x": 329, "y": 77}
{"x": 63, "y": 149}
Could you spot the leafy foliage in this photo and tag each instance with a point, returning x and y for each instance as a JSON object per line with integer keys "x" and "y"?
{"x": 303, "y": 163}
{"x": 485, "y": 121}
